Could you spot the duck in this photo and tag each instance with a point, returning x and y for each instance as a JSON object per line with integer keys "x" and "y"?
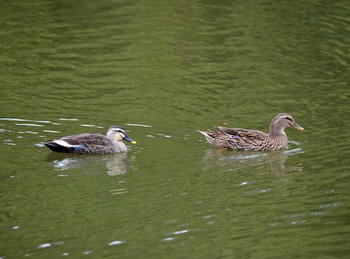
{"x": 253, "y": 140}
{"x": 92, "y": 143}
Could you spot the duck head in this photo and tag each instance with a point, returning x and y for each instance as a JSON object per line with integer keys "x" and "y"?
{"x": 118, "y": 133}
{"x": 282, "y": 121}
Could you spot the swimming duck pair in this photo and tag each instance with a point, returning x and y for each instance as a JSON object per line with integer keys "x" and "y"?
{"x": 229, "y": 138}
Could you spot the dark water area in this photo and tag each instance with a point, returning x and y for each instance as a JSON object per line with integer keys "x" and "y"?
{"x": 164, "y": 71}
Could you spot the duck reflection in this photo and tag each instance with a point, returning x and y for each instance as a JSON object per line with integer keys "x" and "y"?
{"x": 240, "y": 160}
{"x": 115, "y": 164}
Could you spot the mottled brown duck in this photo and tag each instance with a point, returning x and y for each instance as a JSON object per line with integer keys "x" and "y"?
{"x": 92, "y": 143}
{"x": 255, "y": 140}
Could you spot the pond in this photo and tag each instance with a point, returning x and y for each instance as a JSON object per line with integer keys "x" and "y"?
{"x": 164, "y": 71}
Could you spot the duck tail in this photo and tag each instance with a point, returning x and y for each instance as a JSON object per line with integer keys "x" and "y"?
{"x": 56, "y": 148}
{"x": 208, "y": 135}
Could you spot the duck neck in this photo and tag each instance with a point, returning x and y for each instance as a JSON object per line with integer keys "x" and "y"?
{"x": 118, "y": 144}
{"x": 276, "y": 131}
{"x": 278, "y": 136}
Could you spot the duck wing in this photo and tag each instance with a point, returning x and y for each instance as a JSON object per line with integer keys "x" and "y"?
{"x": 244, "y": 139}
{"x": 83, "y": 143}
{"x": 87, "y": 139}
{"x": 245, "y": 133}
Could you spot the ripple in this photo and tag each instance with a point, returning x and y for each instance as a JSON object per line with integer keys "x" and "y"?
{"x": 45, "y": 245}
{"x": 164, "y": 135}
{"x": 169, "y": 239}
{"x": 257, "y": 192}
{"x": 209, "y": 216}
{"x": 332, "y": 205}
{"x": 296, "y": 215}
{"x": 116, "y": 242}
{"x": 26, "y": 120}
{"x": 294, "y": 151}
{"x": 31, "y": 132}
{"x": 181, "y": 232}
{"x": 244, "y": 183}
{"x": 91, "y": 126}
{"x": 298, "y": 222}
{"x": 139, "y": 125}
{"x": 51, "y": 131}
{"x": 12, "y": 119}
{"x": 29, "y": 124}
{"x": 67, "y": 119}
{"x": 118, "y": 191}
{"x": 321, "y": 213}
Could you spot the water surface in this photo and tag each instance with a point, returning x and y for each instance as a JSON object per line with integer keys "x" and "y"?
{"x": 163, "y": 71}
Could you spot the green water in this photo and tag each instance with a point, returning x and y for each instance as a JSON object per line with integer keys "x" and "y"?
{"x": 164, "y": 70}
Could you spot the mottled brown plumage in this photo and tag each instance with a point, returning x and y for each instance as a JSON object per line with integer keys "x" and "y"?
{"x": 92, "y": 143}
{"x": 246, "y": 139}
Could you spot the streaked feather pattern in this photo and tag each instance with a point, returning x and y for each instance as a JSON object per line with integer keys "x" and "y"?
{"x": 246, "y": 139}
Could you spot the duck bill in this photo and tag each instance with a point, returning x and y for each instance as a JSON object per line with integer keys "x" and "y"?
{"x": 127, "y": 138}
{"x": 298, "y": 127}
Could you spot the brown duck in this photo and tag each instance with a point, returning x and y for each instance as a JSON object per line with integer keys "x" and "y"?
{"x": 255, "y": 140}
{"x": 92, "y": 143}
